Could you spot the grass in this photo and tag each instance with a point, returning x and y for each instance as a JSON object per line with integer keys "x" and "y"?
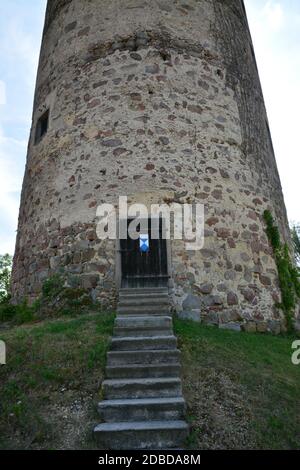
{"x": 242, "y": 389}
{"x": 50, "y": 384}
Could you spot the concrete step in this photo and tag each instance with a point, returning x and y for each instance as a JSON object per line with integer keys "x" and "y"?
{"x": 143, "y": 310}
{"x": 118, "y": 358}
{"x": 130, "y": 343}
{"x": 123, "y": 302}
{"x": 141, "y": 435}
{"x": 142, "y": 409}
{"x": 143, "y": 371}
{"x": 144, "y": 295}
{"x": 139, "y": 332}
{"x": 145, "y": 321}
{"x": 143, "y": 290}
{"x": 141, "y": 388}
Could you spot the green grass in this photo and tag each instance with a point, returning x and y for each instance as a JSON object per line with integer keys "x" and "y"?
{"x": 246, "y": 385}
{"x": 50, "y": 366}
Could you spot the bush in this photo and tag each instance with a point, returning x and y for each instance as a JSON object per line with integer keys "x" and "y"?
{"x": 52, "y": 287}
{"x": 7, "y": 311}
{"x": 56, "y": 299}
{"x": 5, "y": 275}
{"x": 295, "y": 231}
{"x": 19, "y": 314}
{"x": 288, "y": 274}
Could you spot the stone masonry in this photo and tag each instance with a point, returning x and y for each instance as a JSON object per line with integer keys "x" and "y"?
{"x": 159, "y": 100}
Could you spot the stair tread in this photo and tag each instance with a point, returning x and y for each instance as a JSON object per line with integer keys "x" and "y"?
{"x": 154, "y": 351}
{"x": 140, "y": 366}
{"x": 142, "y": 401}
{"x": 143, "y": 380}
{"x": 141, "y": 425}
{"x": 141, "y": 338}
{"x": 145, "y": 317}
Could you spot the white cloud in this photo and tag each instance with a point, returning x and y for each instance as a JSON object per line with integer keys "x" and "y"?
{"x": 273, "y": 15}
{"x": 22, "y": 49}
{"x": 275, "y": 35}
{"x": 12, "y": 156}
{"x": 2, "y": 92}
{"x": 20, "y": 32}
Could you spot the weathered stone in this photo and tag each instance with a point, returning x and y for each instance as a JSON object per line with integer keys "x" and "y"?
{"x": 191, "y": 302}
{"x": 212, "y": 221}
{"x": 210, "y": 300}
{"x": 230, "y": 326}
{"x": 217, "y": 194}
{"x": 112, "y": 142}
{"x": 190, "y": 315}
{"x": 152, "y": 68}
{"x": 223, "y": 232}
{"x": 95, "y": 102}
{"x": 230, "y": 275}
{"x": 261, "y": 326}
{"x": 232, "y": 298}
{"x": 249, "y": 327}
{"x": 248, "y": 294}
{"x": 224, "y": 173}
{"x": 265, "y": 280}
{"x": 55, "y": 262}
{"x": 89, "y": 281}
{"x": 206, "y": 288}
{"x": 164, "y": 140}
{"x": 208, "y": 253}
{"x": 91, "y": 235}
{"x": 274, "y": 327}
{"x": 70, "y": 27}
{"x": 87, "y": 255}
{"x": 297, "y": 326}
{"x": 195, "y": 109}
{"x": 211, "y": 318}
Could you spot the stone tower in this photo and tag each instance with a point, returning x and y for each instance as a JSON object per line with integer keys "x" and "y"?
{"x": 158, "y": 100}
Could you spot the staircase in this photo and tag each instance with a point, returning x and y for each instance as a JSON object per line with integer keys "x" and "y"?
{"x": 143, "y": 407}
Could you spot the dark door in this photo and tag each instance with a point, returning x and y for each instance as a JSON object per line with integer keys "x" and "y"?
{"x": 144, "y": 268}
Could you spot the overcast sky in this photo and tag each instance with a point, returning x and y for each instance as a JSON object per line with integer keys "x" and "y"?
{"x": 275, "y": 27}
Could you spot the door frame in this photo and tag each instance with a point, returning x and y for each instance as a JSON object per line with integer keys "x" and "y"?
{"x": 118, "y": 259}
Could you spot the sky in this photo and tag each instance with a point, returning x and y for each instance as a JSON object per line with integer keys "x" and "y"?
{"x": 275, "y": 29}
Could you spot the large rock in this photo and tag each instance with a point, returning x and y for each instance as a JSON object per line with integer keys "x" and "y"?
{"x": 230, "y": 326}
{"x": 191, "y": 308}
{"x": 249, "y": 327}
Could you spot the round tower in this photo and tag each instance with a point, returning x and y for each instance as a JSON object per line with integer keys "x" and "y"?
{"x": 159, "y": 101}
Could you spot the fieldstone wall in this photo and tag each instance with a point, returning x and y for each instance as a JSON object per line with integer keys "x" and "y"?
{"x": 159, "y": 98}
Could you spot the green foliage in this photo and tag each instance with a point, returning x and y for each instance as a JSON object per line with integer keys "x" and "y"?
{"x": 272, "y": 231}
{"x": 5, "y": 274}
{"x": 55, "y": 300}
{"x": 58, "y": 299}
{"x": 288, "y": 274}
{"x": 295, "y": 232}
{"x": 18, "y": 314}
{"x": 53, "y": 286}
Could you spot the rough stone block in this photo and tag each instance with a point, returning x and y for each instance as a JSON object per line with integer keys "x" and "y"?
{"x": 249, "y": 327}
{"x": 230, "y": 326}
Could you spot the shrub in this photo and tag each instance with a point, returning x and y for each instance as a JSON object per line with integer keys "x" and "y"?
{"x": 5, "y": 275}
{"x": 288, "y": 274}
{"x": 55, "y": 299}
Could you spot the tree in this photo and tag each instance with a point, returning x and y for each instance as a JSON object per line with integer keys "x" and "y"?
{"x": 295, "y": 231}
{"x": 5, "y": 275}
